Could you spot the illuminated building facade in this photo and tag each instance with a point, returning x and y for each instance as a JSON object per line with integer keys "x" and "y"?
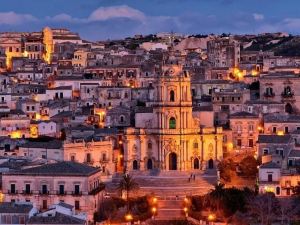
{"x": 166, "y": 135}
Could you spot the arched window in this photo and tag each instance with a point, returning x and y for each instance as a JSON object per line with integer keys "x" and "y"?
{"x": 122, "y": 119}
{"x": 172, "y": 123}
{"x": 172, "y": 96}
{"x": 195, "y": 145}
{"x": 277, "y": 190}
{"x": 287, "y": 90}
{"x": 134, "y": 165}
{"x": 149, "y": 146}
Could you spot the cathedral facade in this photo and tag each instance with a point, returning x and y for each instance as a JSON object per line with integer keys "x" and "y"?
{"x": 166, "y": 135}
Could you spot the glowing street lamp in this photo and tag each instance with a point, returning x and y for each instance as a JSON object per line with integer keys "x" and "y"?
{"x": 154, "y": 200}
{"x": 154, "y": 210}
{"x": 211, "y": 217}
{"x": 185, "y": 209}
{"x": 128, "y": 217}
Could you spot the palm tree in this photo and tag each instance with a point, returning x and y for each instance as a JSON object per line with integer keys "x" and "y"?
{"x": 127, "y": 184}
{"x": 217, "y": 195}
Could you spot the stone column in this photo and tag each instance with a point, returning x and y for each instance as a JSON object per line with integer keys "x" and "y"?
{"x": 143, "y": 149}
{"x": 216, "y": 147}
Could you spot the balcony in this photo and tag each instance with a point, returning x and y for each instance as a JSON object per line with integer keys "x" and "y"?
{"x": 76, "y": 193}
{"x": 269, "y": 94}
{"x": 104, "y": 160}
{"x": 12, "y": 192}
{"x": 97, "y": 189}
{"x": 61, "y": 192}
{"x": 44, "y": 192}
{"x": 89, "y": 162}
{"x": 27, "y": 192}
{"x": 287, "y": 95}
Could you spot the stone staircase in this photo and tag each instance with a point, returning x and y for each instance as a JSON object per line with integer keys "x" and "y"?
{"x": 170, "y": 210}
{"x": 169, "y": 184}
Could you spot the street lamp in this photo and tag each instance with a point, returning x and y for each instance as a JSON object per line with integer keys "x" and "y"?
{"x": 154, "y": 200}
{"x": 185, "y": 209}
{"x": 128, "y": 217}
{"x": 211, "y": 217}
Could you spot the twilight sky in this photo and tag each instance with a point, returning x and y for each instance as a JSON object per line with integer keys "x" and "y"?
{"x": 103, "y": 19}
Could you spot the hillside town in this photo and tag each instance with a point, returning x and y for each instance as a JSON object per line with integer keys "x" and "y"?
{"x": 176, "y": 115}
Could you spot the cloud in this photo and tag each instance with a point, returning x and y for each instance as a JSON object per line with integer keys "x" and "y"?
{"x": 12, "y": 18}
{"x": 102, "y": 14}
{"x": 112, "y": 12}
{"x": 258, "y": 17}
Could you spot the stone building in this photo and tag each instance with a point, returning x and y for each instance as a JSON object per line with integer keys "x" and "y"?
{"x": 224, "y": 52}
{"x": 281, "y": 87}
{"x": 166, "y": 136}
{"x": 73, "y": 183}
{"x": 245, "y": 130}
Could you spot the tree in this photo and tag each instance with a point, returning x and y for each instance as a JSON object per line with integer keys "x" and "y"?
{"x": 225, "y": 167}
{"x": 127, "y": 184}
{"x": 63, "y": 134}
{"x": 217, "y": 196}
{"x": 248, "y": 166}
{"x": 264, "y": 207}
{"x": 287, "y": 209}
{"x": 234, "y": 200}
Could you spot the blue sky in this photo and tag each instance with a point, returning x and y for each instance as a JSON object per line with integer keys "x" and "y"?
{"x": 109, "y": 19}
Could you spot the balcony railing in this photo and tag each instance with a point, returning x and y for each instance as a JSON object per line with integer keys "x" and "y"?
{"x": 269, "y": 95}
{"x": 44, "y": 192}
{"x": 12, "y": 192}
{"x": 104, "y": 160}
{"x": 90, "y": 162}
{"x": 287, "y": 94}
{"x": 97, "y": 189}
{"x": 61, "y": 192}
{"x": 77, "y": 193}
{"x": 26, "y": 192}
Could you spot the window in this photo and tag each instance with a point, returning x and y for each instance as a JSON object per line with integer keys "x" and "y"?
{"x": 274, "y": 130}
{"x": 270, "y": 177}
{"x": 195, "y": 145}
{"x": 239, "y": 142}
{"x": 286, "y": 130}
{"x": 121, "y": 119}
{"x": 104, "y": 156}
{"x": 250, "y": 127}
{"x": 172, "y": 96}
{"x": 72, "y": 158}
{"x": 45, "y": 205}
{"x": 77, "y": 205}
{"x": 265, "y": 151}
{"x": 22, "y": 219}
{"x": 13, "y": 188}
{"x": 149, "y": 146}
{"x": 44, "y": 189}
{"x": 77, "y": 189}
{"x": 193, "y": 92}
{"x": 61, "y": 189}
{"x": 279, "y": 152}
{"x": 277, "y": 190}
{"x": 172, "y": 123}
{"x": 250, "y": 144}
{"x": 88, "y": 157}
{"x": 27, "y": 188}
